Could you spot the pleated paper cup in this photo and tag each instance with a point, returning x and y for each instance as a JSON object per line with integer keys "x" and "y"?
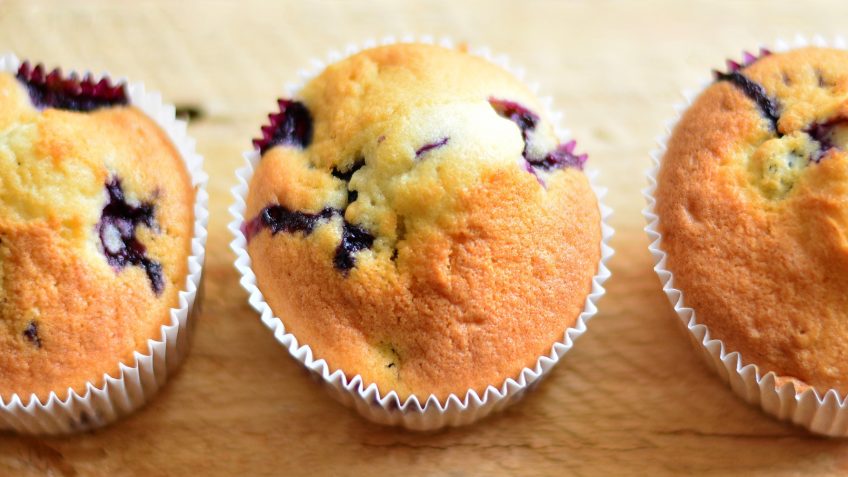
{"x": 822, "y": 413}
{"x": 136, "y": 381}
{"x": 417, "y": 413}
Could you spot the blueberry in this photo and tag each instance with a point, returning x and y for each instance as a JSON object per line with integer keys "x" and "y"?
{"x": 278, "y": 218}
{"x": 352, "y": 195}
{"x": 767, "y": 105}
{"x": 526, "y": 120}
{"x": 354, "y": 239}
{"x": 117, "y": 229}
{"x": 562, "y": 156}
{"x": 823, "y": 134}
{"x": 31, "y": 334}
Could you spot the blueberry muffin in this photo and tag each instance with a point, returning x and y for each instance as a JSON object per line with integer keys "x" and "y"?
{"x": 752, "y": 199}
{"x": 96, "y": 214}
{"x": 414, "y": 219}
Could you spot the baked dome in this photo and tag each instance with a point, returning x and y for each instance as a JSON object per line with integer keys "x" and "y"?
{"x": 752, "y": 199}
{"x": 414, "y": 220}
{"x": 96, "y": 213}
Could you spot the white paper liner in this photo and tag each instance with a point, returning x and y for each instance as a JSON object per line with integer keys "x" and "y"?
{"x": 365, "y": 398}
{"x": 135, "y": 382}
{"x": 823, "y": 414}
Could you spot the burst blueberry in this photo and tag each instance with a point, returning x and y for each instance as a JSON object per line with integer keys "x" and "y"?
{"x": 346, "y": 175}
{"x": 823, "y": 134}
{"x": 354, "y": 239}
{"x": 278, "y": 218}
{"x": 526, "y": 120}
{"x": 561, "y": 157}
{"x": 31, "y": 334}
{"x": 117, "y": 231}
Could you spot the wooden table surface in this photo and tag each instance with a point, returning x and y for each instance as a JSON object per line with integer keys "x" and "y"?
{"x": 630, "y": 398}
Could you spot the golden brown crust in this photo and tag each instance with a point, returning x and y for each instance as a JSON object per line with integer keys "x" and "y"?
{"x": 754, "y": 221}
{"x": 491, "y": 267}
{"x": 54, "y": 167}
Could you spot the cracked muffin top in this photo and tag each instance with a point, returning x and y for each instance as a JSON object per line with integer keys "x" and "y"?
{"x": 752, "y": 197}
{"x": 414, "y": 219}
{"x": 96, "y": 213}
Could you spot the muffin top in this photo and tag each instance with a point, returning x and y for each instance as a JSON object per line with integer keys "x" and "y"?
{"x": 96, "y": 213}
{"x": 414, "y": 219}
{"x": 752, "y": 199}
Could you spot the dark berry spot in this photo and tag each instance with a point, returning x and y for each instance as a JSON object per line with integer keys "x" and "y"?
{"x": 352, "y": 195}
{"x": 31, "y": 334}
{"x": 562, "y": 156}
{"x": 520, "y": 115}
{"x": 755, "y": 92}
{"x": 54, "y": 91}
{"x": 429, "y": 147}
{"x": 117, "y": 228}
{"x": 346, "y": 175}
{"x": 525, "y": 119}
{"x": 823, "y": 134}
{"x": 280, "y": 219}
{"x": 529, "y": 168}
{"x": 768, "y": 106}
{"x": 292, "y": 126}
{"x": 354, "y": 239}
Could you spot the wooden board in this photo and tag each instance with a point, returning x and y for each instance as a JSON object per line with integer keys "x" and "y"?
{"x": 631, "y": 398}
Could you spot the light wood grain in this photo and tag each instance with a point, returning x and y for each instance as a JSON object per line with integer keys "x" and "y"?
{"x": 631, "y": 398}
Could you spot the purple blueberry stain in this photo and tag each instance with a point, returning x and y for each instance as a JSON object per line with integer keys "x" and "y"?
{"x": 31, "y": 334}
{"x": 291, "y": 126}
{"x": 526, "y": 120}
{"x": 561, "y": 157}
{"x": 117, "y": 231}
{"x": 346, "y": 175}
{"x": 823, "y": 134}
{"x": 768, "y": 106}
{"x": 515, "y": 112}
{"x": 354, "y": 239}
{"x": 532, "y": 170}
{"x": 278, "y": 218}
{"x": 429, "y": 147}
{"x": 52, "y": 90}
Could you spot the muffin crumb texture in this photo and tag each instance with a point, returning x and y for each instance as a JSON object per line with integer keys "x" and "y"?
{"x": 416, "y": 221}
{"x": 752, "y": 197}
{"x": 95, "y": 225}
